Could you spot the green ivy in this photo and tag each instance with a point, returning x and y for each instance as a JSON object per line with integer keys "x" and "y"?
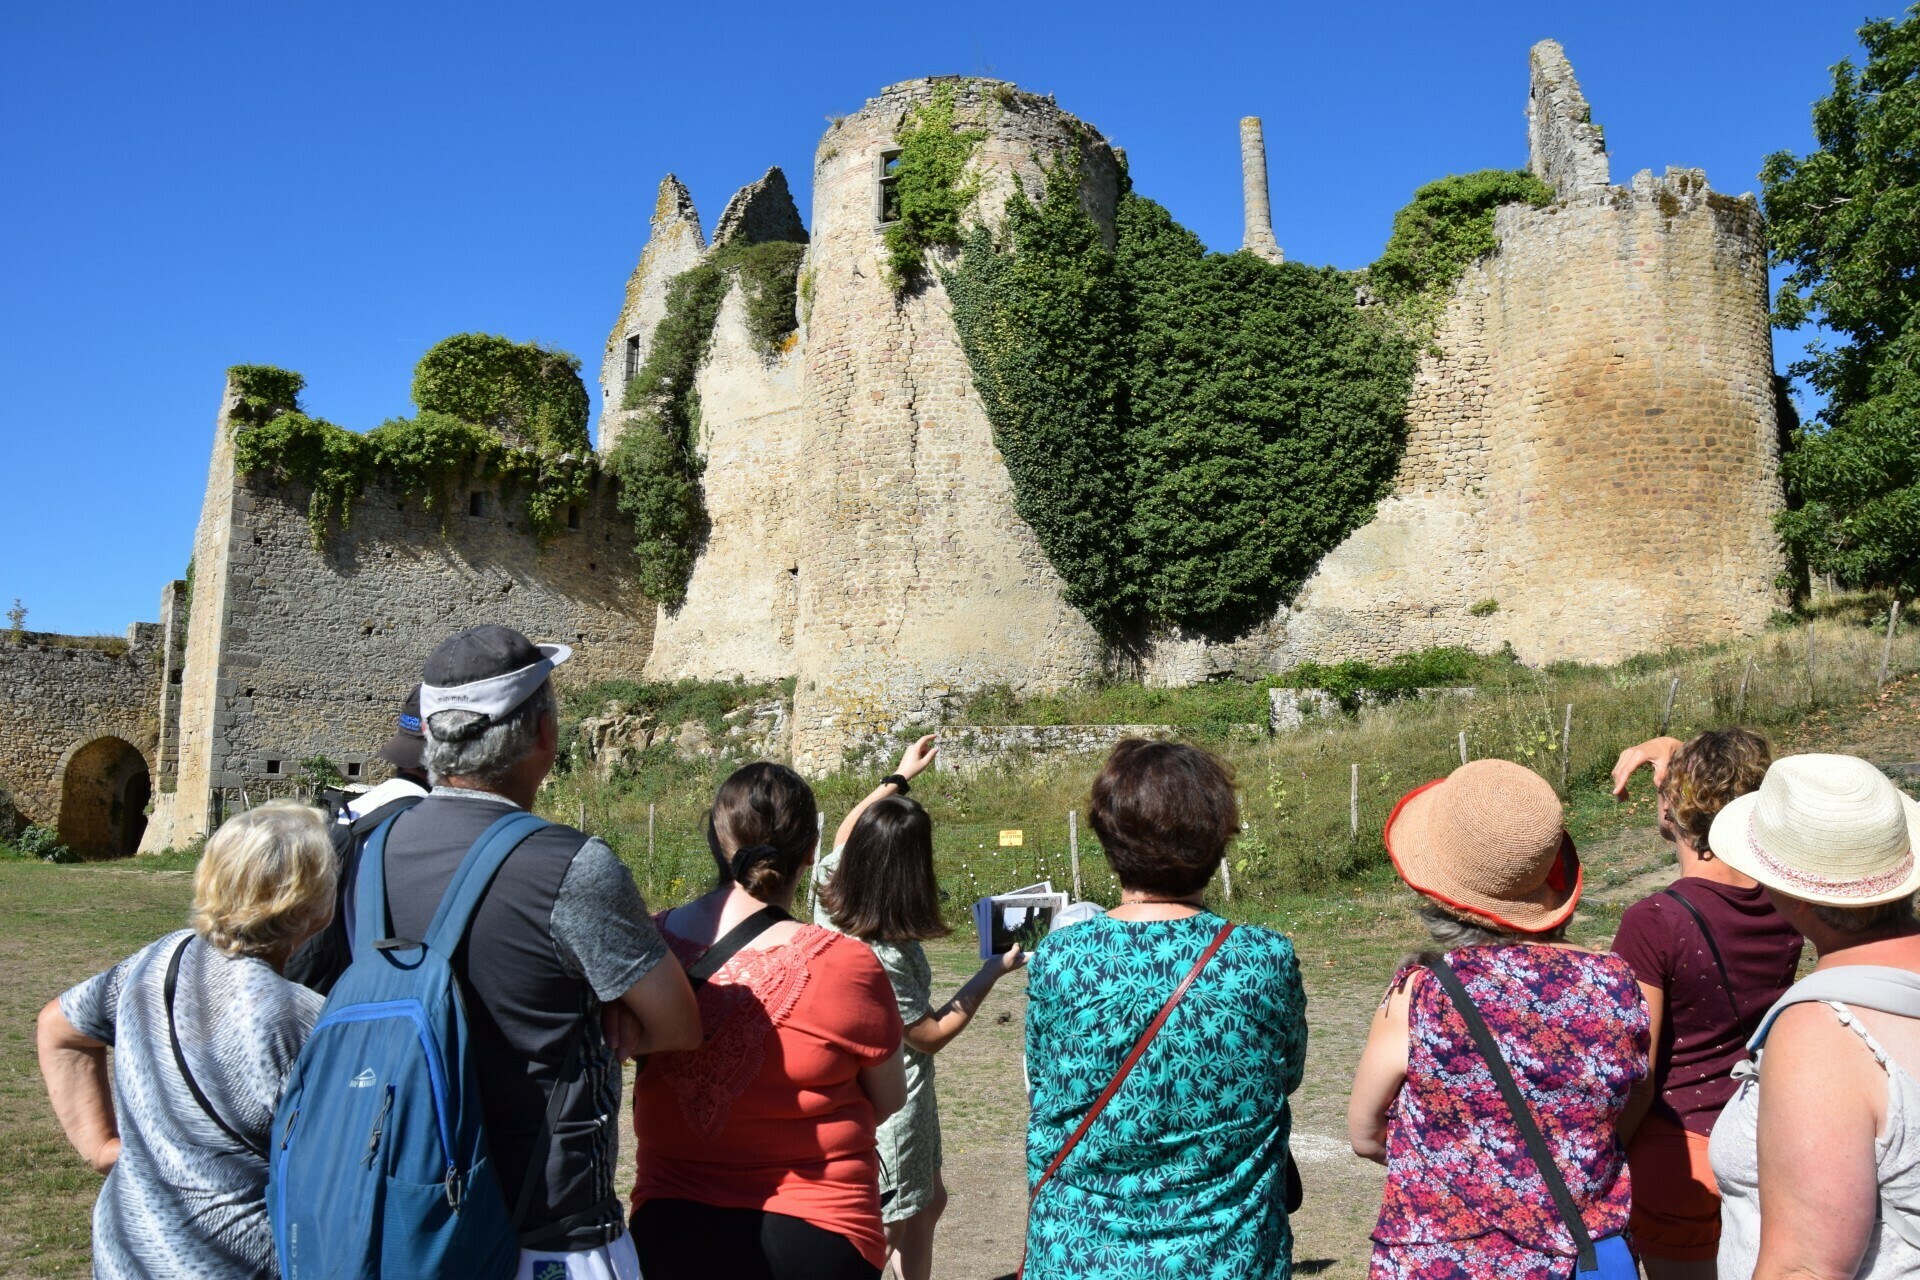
{"x": 1187, "y": 433}
{"x": 1425, "y": 669}
{"x": 519, "y": 387}
{"x": 435, "y": 452}
{"x": 1448, "y": 224}
{"x": 931, "y": 188}
{"x": 264, "y": 391}
{"x": 657, "y": 457}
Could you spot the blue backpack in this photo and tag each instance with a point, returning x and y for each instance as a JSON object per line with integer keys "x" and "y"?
{"x": 378, "y": 1160}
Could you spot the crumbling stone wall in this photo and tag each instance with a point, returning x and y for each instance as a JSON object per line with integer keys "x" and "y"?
{"x": 295, "y": 652}
{"x": 917, "y": 580}
{"x": 65, "y": 709}
{"x": 1592, "y": 451}
{"x": 1566, "y": 149}
{"x": 674, "y": 243}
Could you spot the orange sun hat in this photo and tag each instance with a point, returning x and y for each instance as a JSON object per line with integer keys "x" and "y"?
{"x": 1488, "y": 840}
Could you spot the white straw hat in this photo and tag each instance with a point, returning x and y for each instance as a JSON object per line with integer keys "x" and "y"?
{"x": 1826, "y": 829}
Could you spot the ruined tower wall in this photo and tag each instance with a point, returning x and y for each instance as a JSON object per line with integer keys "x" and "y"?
{"x": 917, "y": 580}
{"x": 295, "y": 652}
{"x": 56, "y": 699}
{"x": 738, "y": 617}
{"x": 1635, "y": 469}
{"x": 674, "y": 243}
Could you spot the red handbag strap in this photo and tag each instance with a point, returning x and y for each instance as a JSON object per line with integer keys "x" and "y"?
{"x": 1132, "y": 1059}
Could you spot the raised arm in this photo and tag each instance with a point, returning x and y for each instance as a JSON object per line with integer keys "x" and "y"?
{"x": 913, "y": 761}
{"x": 936, "y": 1031}
{"x": 1382, "y": 1071}
{"x": 1654, "y": 751}
{"x": 75, "y": 1069}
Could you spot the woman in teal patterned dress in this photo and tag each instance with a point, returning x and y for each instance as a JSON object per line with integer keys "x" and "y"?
{"x": 1183, "y": 1174}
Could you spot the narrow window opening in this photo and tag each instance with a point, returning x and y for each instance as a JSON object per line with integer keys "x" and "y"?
{"x": 633, "y": 358}
{"x": 353, "y": 769}
{"x": 573, "y": 517}
{"x": 473, "y": 504}
{"x": 173, "y": 676}
{"x": 886, "y": 204}
{"x": 273, "y": 766}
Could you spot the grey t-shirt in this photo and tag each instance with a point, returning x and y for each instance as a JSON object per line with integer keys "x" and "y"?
{"x": 184, "y": 1199}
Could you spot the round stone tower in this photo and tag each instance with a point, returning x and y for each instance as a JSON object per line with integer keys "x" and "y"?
{"x": 916, "y": 580}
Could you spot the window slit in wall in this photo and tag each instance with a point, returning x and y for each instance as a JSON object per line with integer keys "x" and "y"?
{"x": 474, "y": 503}
{"x": 886, "y": 195}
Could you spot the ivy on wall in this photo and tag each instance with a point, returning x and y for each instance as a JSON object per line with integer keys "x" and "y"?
{"x": 931, "y": 188}
{"x": 435, "y": 452}
{"x": 1187, "y": 433}
{"x": 522, "y": 388}
{"x": 657, "y": 460}
{"x": 1448, "y": 224}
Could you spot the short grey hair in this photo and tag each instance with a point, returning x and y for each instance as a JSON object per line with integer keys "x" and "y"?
{"x": 1881, "y": 917}
{"x": 1453, "y": 931}
{"x": 466, "y": 744}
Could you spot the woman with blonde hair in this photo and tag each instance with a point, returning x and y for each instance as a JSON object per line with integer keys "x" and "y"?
{"x": 204, "y": 1032}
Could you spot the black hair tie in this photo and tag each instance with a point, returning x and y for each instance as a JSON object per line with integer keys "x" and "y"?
{"x": 746, "y": 859}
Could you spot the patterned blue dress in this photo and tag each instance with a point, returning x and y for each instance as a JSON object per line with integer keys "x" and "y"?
{"x": 1182, "y": 1174}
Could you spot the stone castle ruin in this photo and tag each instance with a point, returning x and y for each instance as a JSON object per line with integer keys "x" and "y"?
{"x": 1610, "y": 363}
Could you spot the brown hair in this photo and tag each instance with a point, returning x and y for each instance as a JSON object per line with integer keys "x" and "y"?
{"x": 1709, "y": 771}
{"x": 1164, "y": 812}
{"x": 884, "y": 890}
{"x": 762, "y": 827}
{"x": 1858, "y": 922}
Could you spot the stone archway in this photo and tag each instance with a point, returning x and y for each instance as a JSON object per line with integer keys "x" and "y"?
{"x": 104, "y": 791}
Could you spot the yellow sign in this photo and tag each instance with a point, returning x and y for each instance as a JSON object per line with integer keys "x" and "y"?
{"x": 1013, "y": 839}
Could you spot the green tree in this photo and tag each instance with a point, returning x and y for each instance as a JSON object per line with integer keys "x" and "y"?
{"x": 1845, "y": 222}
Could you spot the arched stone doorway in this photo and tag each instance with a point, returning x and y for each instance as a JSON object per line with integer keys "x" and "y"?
{"x": 103, "y": 799}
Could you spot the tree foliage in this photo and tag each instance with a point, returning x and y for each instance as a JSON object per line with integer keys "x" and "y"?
{"x": 264, "y": 391}
{"x": 1845, "y": 223}
{"x": 1187, "y": 433}
{"x": 1447, "y": 225}
{"x": 523, "y": 388}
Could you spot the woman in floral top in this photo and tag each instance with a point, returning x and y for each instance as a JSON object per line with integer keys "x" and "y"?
{"x": 1486, "y": 848}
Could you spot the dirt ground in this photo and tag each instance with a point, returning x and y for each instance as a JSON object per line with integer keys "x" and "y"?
{"x": 59, "y": 925}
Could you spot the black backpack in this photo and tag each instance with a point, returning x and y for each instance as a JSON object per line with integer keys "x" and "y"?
{"x": 322, "y": 958}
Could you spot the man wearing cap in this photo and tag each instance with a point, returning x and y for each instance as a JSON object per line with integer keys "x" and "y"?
{"x": 321, "y": 960}
{"x": 561, "y": 931}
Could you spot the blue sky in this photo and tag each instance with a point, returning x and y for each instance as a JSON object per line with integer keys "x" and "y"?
{"x": 334, "y": 187}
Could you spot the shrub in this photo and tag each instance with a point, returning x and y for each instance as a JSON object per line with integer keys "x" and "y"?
{"x": 265, "y": 391}
{"x": 44, "y": 843}
{"x": 1448, "y": 224}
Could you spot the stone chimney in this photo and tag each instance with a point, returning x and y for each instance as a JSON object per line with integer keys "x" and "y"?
{"x": 1253, "y": 190}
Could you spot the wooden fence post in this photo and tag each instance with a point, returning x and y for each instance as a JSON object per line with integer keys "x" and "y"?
{"x": 1463, "y": 746}
{"x": 649, "y": 844}
{"x": 1886, "y": 650}
{"x": 1566, "y": 746}
{"x": 1740, "y": 702}
{"x": 1226, "y": 877}
{"x": 1810, "y": 669}
{"x": 1353, "y": 804}
{"x": 1666, "y": 715}
{"x": 1073, "y": 850}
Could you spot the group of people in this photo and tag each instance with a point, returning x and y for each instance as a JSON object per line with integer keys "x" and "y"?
{"x": 1540, "y": 1108}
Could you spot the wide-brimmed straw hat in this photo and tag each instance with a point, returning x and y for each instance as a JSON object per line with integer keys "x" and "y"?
{"x": 1488, "y": 840}
{"x": 1826, "y": 829}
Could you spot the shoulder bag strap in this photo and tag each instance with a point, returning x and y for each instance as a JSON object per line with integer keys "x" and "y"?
{"x": 1521, "y": 1113}
{"x": 1132, "y": 1060}
{"x": 1713, "y": 948}
{"x": 731, "y": 942}
{"x": 180, "y": 1057}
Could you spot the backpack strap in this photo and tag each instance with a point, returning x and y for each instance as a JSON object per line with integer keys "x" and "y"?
{"x": 1713, "y": 948}
{"x": 475, "y": 876}
{"x": 1517, "y": 1108}
{"x": 180, "y": 1056}
{"x": 1895, "y": 991}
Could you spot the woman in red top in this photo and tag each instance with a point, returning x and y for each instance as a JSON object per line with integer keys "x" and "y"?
{"x": 755, "y": 1153}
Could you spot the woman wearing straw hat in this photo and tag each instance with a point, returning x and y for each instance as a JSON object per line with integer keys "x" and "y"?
{"x": 1486, "y": 849}
{"x": 1824, "y": 1134}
